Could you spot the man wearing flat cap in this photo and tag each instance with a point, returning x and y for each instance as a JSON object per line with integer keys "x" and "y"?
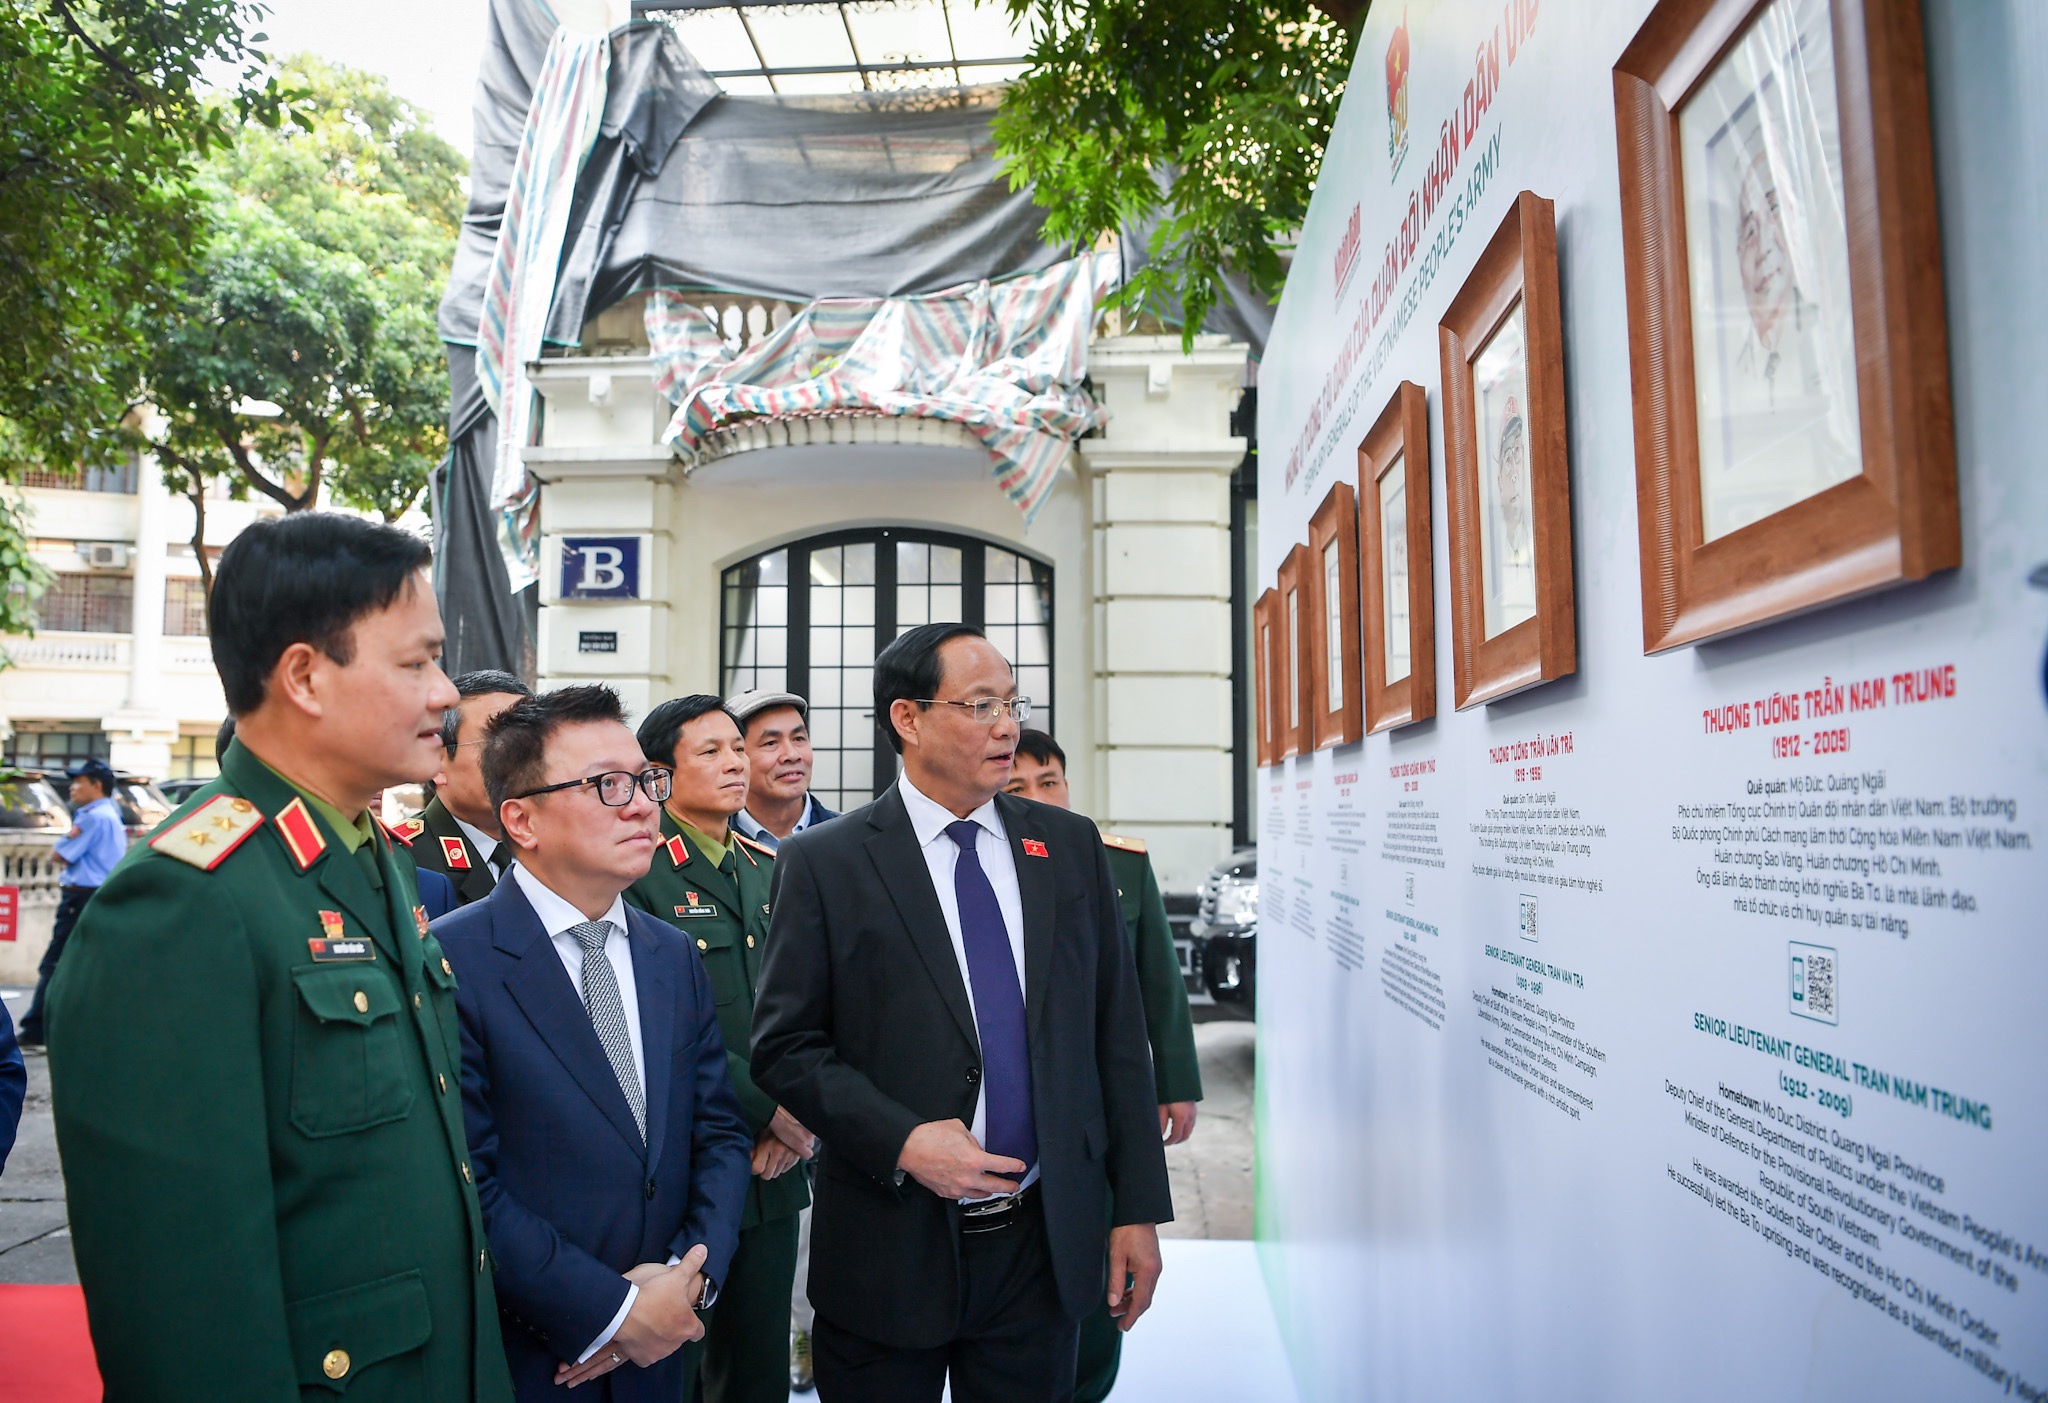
{"x": 775, "y": 727}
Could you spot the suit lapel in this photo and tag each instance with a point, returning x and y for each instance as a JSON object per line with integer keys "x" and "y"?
{"x": 1035, "y": 885}
{"x": 899, "y": 862}
{"x": 540, "y": 985}
{"x": 655, "y": 990}
{"x": 473, "y": 883}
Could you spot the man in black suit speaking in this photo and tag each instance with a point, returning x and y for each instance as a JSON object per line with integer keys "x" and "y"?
{"x": 948, "y": 1001}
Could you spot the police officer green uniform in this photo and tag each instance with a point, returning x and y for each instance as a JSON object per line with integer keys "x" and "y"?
{"x": 255, "y": 1070}
{"x": 1175, "y": 1070}
{"x": 720, "y": 902}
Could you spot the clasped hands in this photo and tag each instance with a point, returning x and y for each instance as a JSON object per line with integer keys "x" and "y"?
{"x": 782, "y": 1144}
{"x": 662, "y": 1320}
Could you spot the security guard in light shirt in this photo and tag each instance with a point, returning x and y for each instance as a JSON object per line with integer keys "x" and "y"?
{"x": 254, "y": 1052}
{"x": 712, "y": 883}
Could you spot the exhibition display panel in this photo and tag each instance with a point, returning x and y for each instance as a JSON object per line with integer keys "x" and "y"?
{"x": 1662, "y": 1021}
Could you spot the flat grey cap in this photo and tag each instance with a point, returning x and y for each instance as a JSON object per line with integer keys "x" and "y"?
{"x": 747, "y": 705}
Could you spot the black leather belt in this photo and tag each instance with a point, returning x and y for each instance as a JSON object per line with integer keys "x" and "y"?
{"x": 995, "y": 1214}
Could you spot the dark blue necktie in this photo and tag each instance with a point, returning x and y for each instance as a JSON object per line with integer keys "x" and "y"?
{"x": 1012, "y": 1129}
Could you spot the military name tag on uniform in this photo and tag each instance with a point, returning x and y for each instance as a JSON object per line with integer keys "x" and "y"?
{"x": 699, "y": 912}
{"x": 351, "y": 948}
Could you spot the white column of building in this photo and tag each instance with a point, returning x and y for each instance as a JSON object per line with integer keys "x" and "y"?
{"x": 605, "y": 475}
{"x": 1160, "y": 475}
{"x": 141, "y": 733}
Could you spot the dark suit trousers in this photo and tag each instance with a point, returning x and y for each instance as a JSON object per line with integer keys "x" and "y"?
{"x": 1014, "y": 1344}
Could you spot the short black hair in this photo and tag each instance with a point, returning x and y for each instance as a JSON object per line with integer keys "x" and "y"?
{"x": 484, "y": 682}
{"x": 222, "y": 739}
{"x": 516, "y": 742}
{"x": 305, "y": 577}
{"x": 909, "y": 670}
{"x": 664, "y": 725}
{"x": 1041, "y": 749}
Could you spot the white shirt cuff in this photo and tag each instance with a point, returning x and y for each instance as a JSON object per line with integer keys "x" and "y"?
{"x": 632, "y": 1295}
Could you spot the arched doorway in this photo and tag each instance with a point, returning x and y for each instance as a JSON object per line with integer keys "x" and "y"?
{"x": 809, "y": 617}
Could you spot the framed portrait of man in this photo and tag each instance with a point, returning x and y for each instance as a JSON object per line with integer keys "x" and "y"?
{"x": 1788, "y": 348}
{"x": 1263, "y": 650}
{"x": 1296, "y": 731}
{"x": 1335, "y": 701}
{"x": 1395, "y": 564}
{"x": 1507, "y": 473}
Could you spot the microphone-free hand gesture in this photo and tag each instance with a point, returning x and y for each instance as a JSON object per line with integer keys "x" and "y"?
{"x": 662, "y": 1320}
{"x": 945, "y": 1158}
{"x": 1133, "y": 1271}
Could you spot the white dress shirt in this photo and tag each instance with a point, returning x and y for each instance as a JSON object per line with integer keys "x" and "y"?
{"x": 556, "y": 916}
{"x": 929, "y": 821}
{"x": 753, "y": 827}
{"x": 483, "y": 842}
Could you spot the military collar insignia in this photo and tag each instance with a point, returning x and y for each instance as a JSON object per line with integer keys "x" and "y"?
{"x": 457, "y": 856}
{"x": 1129, "y": 845}
{"x": 204, "y": 837}
{"x": 678, "y": 850}
{"x": 1034, "y": 848}
{"x": 300, "y": 833}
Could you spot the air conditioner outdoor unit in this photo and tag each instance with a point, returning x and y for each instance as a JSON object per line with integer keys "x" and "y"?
{"x": 106, "y": 555}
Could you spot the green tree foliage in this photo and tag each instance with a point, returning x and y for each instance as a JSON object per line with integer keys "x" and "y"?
{"x": 1208, "y": 115}
{"x": 305, "y": 350}
{"x": 103, "y": 117}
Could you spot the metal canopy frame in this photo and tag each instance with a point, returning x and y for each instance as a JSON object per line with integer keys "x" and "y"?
{"x": 649, "y": 9}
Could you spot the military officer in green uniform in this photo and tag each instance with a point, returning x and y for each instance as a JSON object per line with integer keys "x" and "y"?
{"x": 254, "y": 1052}
{"x": 711, "y": 883}
{"x": 457, "y": 834}
{"x": 1039, "y": 772}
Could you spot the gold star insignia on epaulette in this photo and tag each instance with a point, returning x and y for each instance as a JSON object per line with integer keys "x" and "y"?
{"x": 209, "y": 833}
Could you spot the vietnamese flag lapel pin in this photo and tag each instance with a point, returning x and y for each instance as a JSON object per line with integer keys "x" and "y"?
{"x": 1034, "y": 848}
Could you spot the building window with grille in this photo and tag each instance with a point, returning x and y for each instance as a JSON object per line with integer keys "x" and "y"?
{"x": 78, "y": 603}
{"x": 185, "y": 608}
{"x": 109, "y": 477}
{"x": 54, "y": 745}
{"x": 809, "y": 618}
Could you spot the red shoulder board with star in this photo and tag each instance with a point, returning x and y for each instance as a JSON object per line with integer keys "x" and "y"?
{"x": 407, "y": 831}
{"x": 1034, "y": 848}
{"x": 678, "y": 850}
{"x": 457, "y": 856}
{"x": 300, "y": 834}
{"x": 210, "y": 832}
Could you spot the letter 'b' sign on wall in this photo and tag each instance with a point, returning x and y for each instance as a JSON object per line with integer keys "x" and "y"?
{"x": 600, "y": 567}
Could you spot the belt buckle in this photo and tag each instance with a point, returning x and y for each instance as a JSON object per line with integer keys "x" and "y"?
{"x": 991, "y": 1216}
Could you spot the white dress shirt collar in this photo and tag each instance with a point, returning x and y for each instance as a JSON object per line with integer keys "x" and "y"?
{"x": 483, "y": 842}
{"x": 929, "y": 819}
{"x": 557, "y": 915}
{"x": 758, "y": 831}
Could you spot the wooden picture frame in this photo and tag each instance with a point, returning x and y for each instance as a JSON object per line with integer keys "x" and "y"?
{"x": 1290, "y": 687}
{"x": 1335, "y": 653}
{"x": 1502, "y": 346}
{"x": 1393, "y": 476}
{"x": 1885, "y": 510}
{"x": 1267, "y": 722}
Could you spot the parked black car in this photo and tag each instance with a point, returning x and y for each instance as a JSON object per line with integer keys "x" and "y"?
{"x": 30, "y": 802}
{"x": 177, "y": 791}
{"x": 1225, "y": 932}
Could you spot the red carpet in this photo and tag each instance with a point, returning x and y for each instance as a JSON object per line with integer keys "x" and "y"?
{"x": 45, "y": 1350}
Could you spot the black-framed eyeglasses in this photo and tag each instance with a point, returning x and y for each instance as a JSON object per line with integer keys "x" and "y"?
{"x": 987, "y": 710}
{"x": 615, "y": 787}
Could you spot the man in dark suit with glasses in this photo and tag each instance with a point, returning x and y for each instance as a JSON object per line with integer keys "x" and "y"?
{"x": 948, "y": 1000}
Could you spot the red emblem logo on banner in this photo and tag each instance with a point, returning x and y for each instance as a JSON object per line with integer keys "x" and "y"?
{"x": 1397, "y": 96}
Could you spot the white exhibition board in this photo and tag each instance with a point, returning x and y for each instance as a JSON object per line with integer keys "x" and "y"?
{"x": 1537, "y": 1116}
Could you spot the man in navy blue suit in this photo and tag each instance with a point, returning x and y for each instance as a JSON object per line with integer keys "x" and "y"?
{"x": 610, "y": 1154}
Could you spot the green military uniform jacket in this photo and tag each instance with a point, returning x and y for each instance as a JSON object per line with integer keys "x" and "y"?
{"x": 724, "y": 912}
{"x": 256, "y": 1073}
{"x": 438, "y": 842}
{"x": 1175, "y": 1068}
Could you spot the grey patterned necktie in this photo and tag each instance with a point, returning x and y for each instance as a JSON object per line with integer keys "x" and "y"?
{"x": 608, "y": 1014}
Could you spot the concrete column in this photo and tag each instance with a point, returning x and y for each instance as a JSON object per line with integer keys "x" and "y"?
{"x": 604, "y": 474}
{"x": 141, "y": 733}
{"x": 1160, "y": 479}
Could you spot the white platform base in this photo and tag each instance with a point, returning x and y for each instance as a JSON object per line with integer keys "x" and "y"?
{"x": 1210, "y": 1336}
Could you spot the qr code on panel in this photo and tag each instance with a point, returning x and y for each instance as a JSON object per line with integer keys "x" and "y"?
{"x": 1814, "y": 990}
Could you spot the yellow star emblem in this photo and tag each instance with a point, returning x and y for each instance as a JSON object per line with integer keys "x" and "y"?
{"x": 201, "y": 837}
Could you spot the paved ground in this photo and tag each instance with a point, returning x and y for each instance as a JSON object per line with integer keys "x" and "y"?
{"x": 1211, "y": 1173}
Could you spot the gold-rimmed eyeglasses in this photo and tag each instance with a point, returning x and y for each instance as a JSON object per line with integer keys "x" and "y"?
{"x": 987, "y": 710}
{"x": 615, "y": 787}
